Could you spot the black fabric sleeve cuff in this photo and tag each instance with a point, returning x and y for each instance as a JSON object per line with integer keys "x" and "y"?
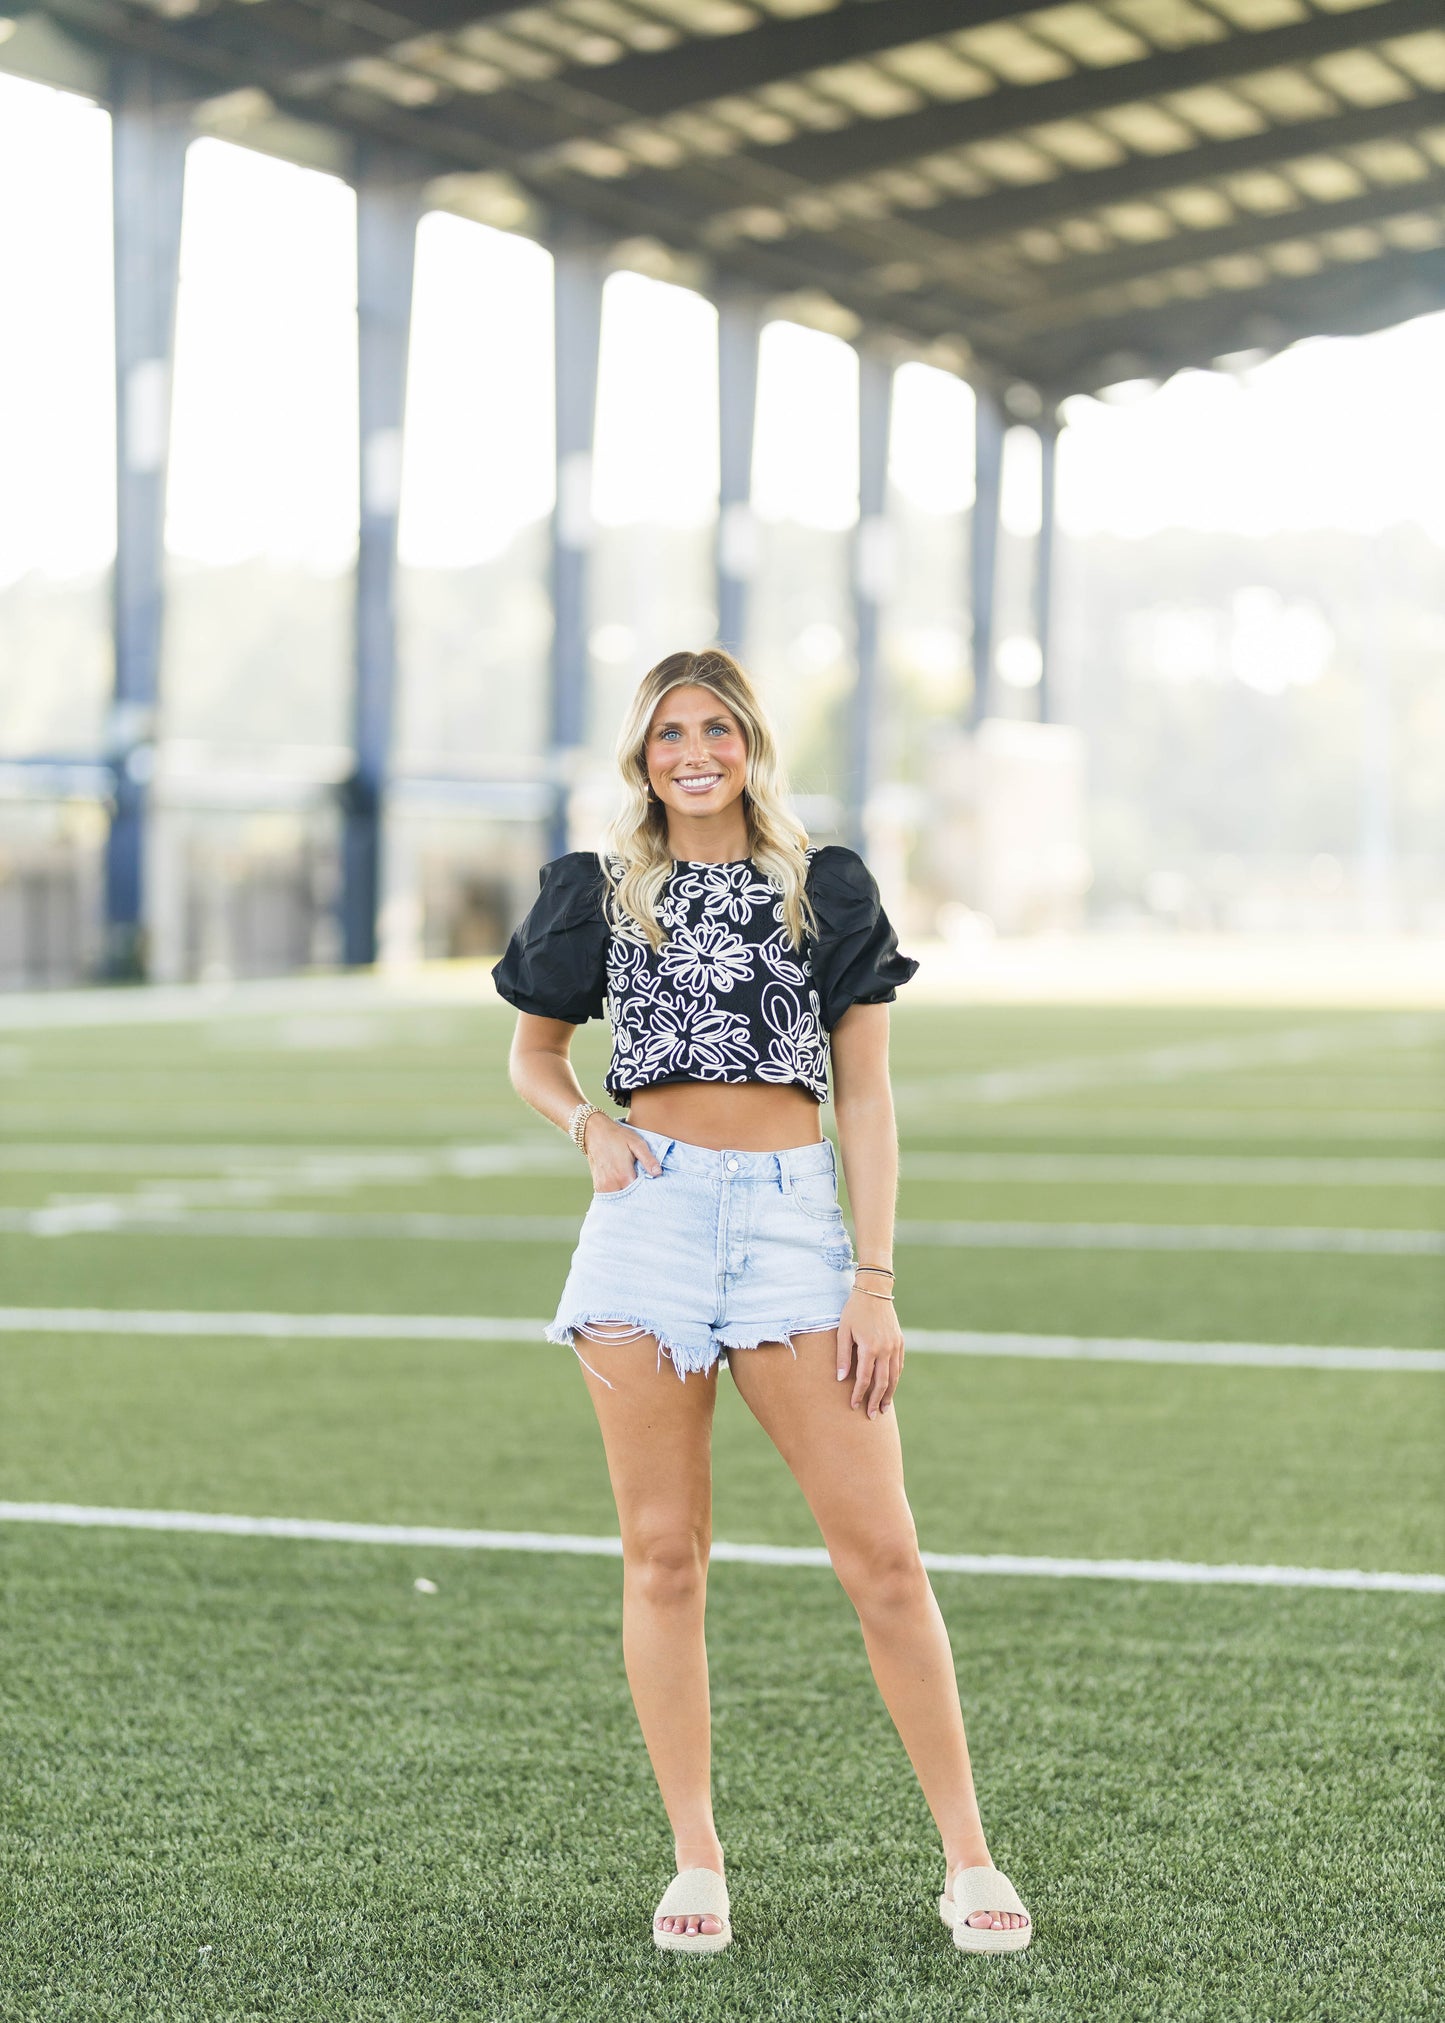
{"x": 555, "y": 965}
{"x": 856, "y": 959}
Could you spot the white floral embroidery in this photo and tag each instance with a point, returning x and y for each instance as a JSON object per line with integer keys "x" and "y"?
{"x": 688, "y": 1032}
{"x": 775, "y": 958}
{"x": 797, "y": 1051}
{"x": 706, "y": 957}
{"x": 732, "y": 892}
{"x": 726, "y": 940}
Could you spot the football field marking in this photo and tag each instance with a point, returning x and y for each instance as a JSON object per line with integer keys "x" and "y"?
{"x": 1179, "y": 1169}
{"x": 112, "y": 1217}
{"x": 1186, "y": 1572}
{"x": 286, "y": 1168}
{"x": 1170, "y": 1236}
{"x": 1176, "y": 1061}
{"x": 332, "y": 1327}
{"x": 309, "y": 1164}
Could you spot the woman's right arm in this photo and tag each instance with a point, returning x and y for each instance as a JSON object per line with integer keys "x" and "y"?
{"x": 542, "y": 1074}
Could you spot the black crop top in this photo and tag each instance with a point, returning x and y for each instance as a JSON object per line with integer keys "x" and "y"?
{"x": 727, "y": 998}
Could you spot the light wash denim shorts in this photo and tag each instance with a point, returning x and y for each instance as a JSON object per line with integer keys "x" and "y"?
{"x": 721, "y": 1250}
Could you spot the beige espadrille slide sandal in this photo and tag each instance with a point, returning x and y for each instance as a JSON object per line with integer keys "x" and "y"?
{"x": 694, "y": 1892}
{"x": 983, "y": 1889}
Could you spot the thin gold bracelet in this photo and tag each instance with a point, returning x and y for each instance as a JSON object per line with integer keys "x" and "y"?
{"x": 872, "y": 1295}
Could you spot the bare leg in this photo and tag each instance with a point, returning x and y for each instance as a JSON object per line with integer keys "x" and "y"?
{"x": 850, "y": 1468}
{"x": 657, "y": 1432}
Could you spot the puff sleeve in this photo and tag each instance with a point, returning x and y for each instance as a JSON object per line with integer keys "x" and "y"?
{"x": 555, "y": 965}
{"x": 855, "y": 952}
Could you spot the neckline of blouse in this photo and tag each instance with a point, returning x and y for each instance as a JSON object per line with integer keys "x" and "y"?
{"x": 708, "y": 863}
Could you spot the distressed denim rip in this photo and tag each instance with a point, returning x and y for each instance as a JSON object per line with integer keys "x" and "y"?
{"x": 720, "y": 1251}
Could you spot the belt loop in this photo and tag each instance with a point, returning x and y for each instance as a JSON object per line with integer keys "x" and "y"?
{"x": 785, "y": 1176}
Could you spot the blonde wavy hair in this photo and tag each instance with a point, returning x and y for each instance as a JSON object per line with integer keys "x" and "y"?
{"x": 636, "y": 855}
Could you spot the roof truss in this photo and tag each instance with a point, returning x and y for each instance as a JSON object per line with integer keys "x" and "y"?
{"x": 1035, "y": 277}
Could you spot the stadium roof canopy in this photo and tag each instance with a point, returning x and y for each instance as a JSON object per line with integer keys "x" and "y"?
{"x": 1065, "y": 195}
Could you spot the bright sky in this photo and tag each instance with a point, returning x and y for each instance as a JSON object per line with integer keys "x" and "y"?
{"x": 1334, "y": 433}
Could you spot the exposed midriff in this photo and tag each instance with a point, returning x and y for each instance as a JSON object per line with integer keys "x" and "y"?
{"x": 729, "y": 1116}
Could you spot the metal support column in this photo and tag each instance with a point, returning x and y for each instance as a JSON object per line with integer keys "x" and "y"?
{"x": 872, "y": 576}
{"x": 1379, "y": 905}
{"x": 988, "y": 472}
{"x": 1048, "y": 429}
{"x": 579, "y": 271}
{"x": 387, "y": 209}
{"x": 148, "y": 154}
{"x": 739, "y": 326}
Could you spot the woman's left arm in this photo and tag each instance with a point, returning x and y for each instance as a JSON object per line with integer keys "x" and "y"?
{"x": 868, "y": 1139}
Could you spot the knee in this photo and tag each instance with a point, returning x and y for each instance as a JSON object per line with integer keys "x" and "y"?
{"x": 668, "y": 1567}
{"x": 882, "y": 1574}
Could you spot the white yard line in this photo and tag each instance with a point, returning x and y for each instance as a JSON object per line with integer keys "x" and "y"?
{"x": 1122, "y": 1119}
{"x": 453, "y": 987}
{"x": 169, "y": 1321}
{"x": 1146, "y": 1169}
{"x": 1177, "y": 1062}
{"x": 424, "y": 1536}
{"x": 107, "y": 1217}
{"x": 280, "y": 1165}
{"x": 1124, "y": 1349}
{"x": 283, "y": 1168}
{"x": 1170, "y": 1236}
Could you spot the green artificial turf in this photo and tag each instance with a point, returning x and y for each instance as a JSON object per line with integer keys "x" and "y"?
{"x": 1183, "y": 1296}
{"x": 370, "y": 1803}
{"x": 1109, "y": 1460}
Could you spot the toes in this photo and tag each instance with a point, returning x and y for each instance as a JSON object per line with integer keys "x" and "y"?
{"x": 691, "y": 1924}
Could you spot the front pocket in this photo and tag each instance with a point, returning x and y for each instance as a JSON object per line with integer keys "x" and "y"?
{"x": 618, "y": 1193}
{"x": 817, "y": 1195}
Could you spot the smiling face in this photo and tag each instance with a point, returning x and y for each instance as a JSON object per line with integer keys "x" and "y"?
{"x": 697, "y": 757}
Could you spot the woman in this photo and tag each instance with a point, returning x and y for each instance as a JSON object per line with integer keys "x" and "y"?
{"x": 733, "y": 959}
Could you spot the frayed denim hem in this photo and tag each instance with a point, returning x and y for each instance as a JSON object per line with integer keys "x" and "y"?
{"x": 682, "y": 1357}
{"x": 757, "y": 1338}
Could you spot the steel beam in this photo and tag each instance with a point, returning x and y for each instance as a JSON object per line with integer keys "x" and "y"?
{"x": 1048, "y": 432}
{"x": 302, "y": 48}
{"x": 872, "y": 576}
{"x": 709, "y": 67}
{"x": 988, "y": 435}
{"x": 739, "y": 327}
{"x": 388, "y": 202}
{"x": 148, "y": 154}
{"x": 967, "y": 220}
{"x": 1346, "y": 299}
{"x": 579, "y": 272}
{"x": 1068, "y": 288}
{"x": 865, "y": 145}
{"x": 699, "y": 68}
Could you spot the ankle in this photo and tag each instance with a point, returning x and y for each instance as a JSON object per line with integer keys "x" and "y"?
{"x": 972, "y": 1854}
{"x": 698, "y": 1850}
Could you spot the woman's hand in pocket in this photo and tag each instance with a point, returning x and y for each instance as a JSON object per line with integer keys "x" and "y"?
{"x": 614, "y": 1151}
